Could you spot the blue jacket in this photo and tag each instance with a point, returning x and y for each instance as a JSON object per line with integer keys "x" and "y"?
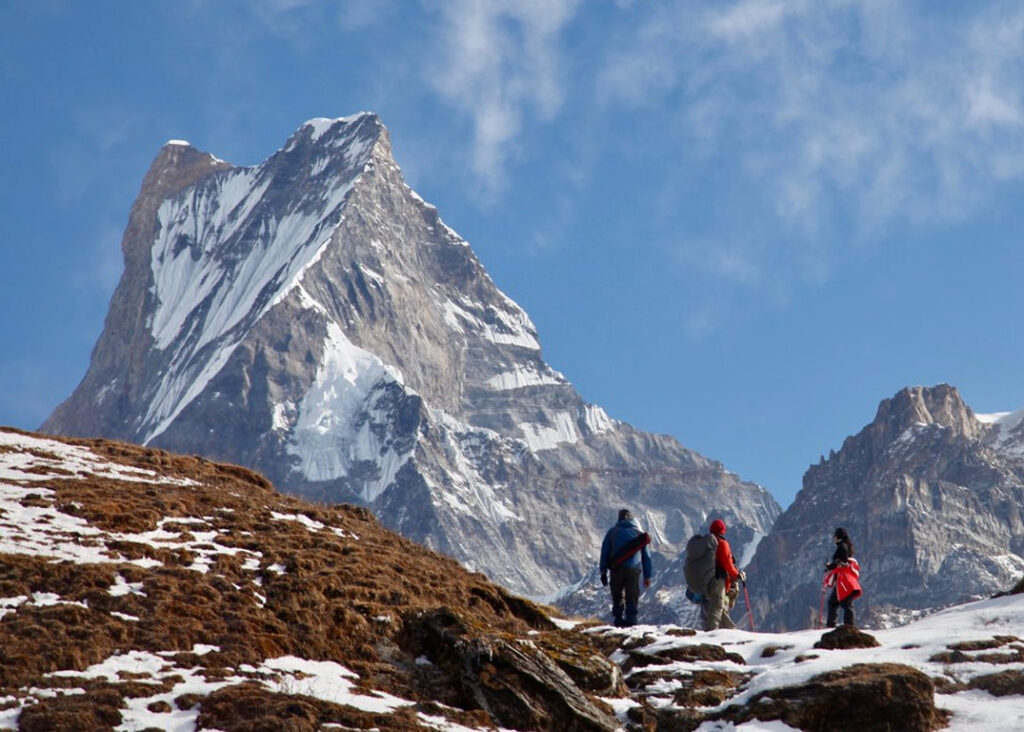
{"x": 617, "y": 536}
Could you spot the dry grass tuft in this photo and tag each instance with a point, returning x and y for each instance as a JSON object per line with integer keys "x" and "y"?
{"x": 234, "y": 576}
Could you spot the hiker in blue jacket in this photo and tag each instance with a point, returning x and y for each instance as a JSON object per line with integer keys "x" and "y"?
{"x": 624, "y": 554}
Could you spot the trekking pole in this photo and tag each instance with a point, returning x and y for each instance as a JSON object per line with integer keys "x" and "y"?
{"x": 750, "y": 613}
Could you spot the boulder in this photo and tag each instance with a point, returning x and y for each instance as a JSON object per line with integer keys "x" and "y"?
{"x": 861, "y": 697}
{"x": 513, "y": 681}
{"x": 1003, "y": 683}
{"x": 846, "y": 637}
{"x": 690, "y": 654}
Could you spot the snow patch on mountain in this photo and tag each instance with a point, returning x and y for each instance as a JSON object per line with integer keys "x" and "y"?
{"x": 334, "y": 422}
{"x": 283, "y": 416}
{"x": 190, "y": 228}
{"x": 524, "y": 376}
{"x": 512, "y": 327}
{"x": 1008, "y": 426}
{"x": 219, "y": 260}
{"x": 784, "y": 660}
{"x": 750, "y": 549}
{"x": 295, "y": 281}
{"x": 181, "y": 387}
{"x": 465, "y": 489}
{"x": 539, "y": 437}
{"x": 42, "y": 526}
{"x": 319, "y": 126}
{"x": 597, "y": 419}
{"x": 28, "y": 458}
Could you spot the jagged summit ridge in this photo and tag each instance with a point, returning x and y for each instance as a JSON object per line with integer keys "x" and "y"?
{"x": 226, "y": 252}
{"x": 314, "y": 318}
{"x": 916, "y": 406}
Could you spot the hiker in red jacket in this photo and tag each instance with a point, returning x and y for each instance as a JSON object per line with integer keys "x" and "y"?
{"x": 841, "y": 574}
{"x": 724, "y": 588}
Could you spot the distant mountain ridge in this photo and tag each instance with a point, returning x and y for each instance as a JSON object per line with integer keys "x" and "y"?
{"x": 313, "y": 318}
{"x": 932, "y": 496}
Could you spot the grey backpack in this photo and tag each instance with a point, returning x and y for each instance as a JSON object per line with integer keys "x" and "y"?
{"x": 699, "y": 566}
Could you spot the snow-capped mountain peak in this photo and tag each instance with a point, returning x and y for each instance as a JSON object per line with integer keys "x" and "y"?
{"x": 226, "y": 251}
{"x": 313, "y": 317}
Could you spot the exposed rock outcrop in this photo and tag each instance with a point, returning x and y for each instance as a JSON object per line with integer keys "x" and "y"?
{"x": 861, "y": 697}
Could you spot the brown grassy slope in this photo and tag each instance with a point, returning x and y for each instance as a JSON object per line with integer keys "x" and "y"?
{"x": 350, "y": 592}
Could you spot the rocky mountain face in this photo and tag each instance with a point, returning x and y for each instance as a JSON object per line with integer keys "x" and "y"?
{"x": 311, "y": 317}
{"x": 932, "y": 497}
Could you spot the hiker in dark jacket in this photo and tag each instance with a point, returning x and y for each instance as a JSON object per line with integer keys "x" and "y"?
{"x": 625, "y": 556}
{"x": 842, "y": 575}
{"x": 724, "y": 588}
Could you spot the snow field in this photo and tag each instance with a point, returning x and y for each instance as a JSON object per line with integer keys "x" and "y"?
{"x": 912, "y": 645}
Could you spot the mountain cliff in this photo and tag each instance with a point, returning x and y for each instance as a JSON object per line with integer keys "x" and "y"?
{"x": 931, "y": 495}
{"x": 313, "y": 318}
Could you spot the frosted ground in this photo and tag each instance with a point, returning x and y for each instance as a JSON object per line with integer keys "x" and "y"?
{"x": 912, "y": 645}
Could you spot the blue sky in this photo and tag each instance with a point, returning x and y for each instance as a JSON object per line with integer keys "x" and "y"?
{"x": 739, "y": 223}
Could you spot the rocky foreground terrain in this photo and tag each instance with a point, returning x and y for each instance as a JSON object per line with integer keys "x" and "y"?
{"x": 145, "y": 590}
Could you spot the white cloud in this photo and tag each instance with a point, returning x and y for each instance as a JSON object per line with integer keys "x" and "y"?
{"x": 905, "y": 116}
{"x": 745, "y": 20}
{"x": 846, "y": 118}
{"x": 357, "y": 14}
{"x": 498, "y": 62}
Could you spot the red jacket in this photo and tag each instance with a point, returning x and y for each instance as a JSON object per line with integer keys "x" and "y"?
{"x": 844, "y": 578}
{"x": 724, "y": 563}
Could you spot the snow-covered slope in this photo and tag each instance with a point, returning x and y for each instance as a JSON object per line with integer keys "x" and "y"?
{"x": 221, "y": 259}
{"x": 972, "y": 655}
{"x": 313, "y": 318}
{"x": 1007, "y": 432}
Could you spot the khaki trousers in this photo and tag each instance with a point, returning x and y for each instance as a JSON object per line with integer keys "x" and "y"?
{"x": 719, "y": 604}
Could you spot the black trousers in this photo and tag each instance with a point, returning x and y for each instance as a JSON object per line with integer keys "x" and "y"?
{"x": 625, "y": 584}
{"x": 833, "y": 609}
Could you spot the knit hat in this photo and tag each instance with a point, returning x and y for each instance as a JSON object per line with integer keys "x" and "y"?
{"x": 625, "y": 514}
{"x": 718, "y": 527}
